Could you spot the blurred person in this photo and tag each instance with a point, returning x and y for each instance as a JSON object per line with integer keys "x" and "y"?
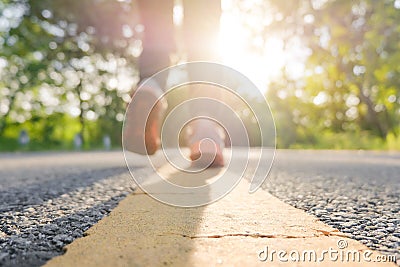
{"x": 200, "y": 33}
{"x": 23, "y": 138}
{"x": 78, "y": 141}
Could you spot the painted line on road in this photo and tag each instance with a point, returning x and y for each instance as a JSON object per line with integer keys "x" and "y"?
{"x": 239, "y": 230}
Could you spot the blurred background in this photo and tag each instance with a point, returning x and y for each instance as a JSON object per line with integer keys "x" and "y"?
{"x": 328, "y": 68}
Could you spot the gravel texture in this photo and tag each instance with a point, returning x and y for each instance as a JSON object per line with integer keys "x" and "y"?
{"x": 46, "y": 202}
{"x": 355, "y": 192}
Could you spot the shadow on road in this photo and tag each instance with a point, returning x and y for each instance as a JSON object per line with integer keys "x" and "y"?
{"x": 168, "y": 229}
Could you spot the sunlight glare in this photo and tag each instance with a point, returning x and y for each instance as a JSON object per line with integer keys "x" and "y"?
{"x": 260, "y": 66}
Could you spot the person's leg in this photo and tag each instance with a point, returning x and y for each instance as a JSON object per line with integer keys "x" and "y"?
{"x": 143, "y": 116}
{"x": 158, "y": 41}
{"x": 200, "y": 30}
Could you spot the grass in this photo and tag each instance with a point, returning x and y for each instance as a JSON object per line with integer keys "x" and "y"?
{"x": 11, "y": 145}
{"x": 350, "y": 141}
{"x": 324, "y": 140}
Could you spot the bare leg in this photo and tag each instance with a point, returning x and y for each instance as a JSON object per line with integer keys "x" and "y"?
{"x": 201, "y": 29}
{"x": 158, "y": 42}
{"x": 143, "y": 117}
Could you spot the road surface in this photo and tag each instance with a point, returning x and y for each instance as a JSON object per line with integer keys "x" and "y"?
{"x": 50, "y": 199}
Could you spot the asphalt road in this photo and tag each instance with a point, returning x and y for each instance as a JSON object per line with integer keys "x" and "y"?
{"x": 356, "y": 192}
{"x": 49, "y": 199}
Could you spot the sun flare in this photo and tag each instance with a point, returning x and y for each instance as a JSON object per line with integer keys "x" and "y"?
{"x": 260, "y": 66}
{"x": 235, "y": 52}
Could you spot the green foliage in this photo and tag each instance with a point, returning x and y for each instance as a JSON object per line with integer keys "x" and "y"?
{"x": 64, "y": 72}
{"x": 349, "y": 95}
{"x": 342, "y": 140}
{"x": 392, "y": 142}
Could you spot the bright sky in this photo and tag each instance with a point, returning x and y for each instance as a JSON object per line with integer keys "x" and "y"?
{"x": 258, "y": 66}
{"x": 235, "y": 52}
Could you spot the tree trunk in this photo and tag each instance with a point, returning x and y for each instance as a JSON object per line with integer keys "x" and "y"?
{"x": 372, "y": 115}
{"x": 81, "y": 118}
{"x": 3, "y": 122}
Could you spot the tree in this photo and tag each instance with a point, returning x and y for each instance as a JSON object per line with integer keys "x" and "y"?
{"x": 354, "y": 45}
{"x": 63, "y": 57}
{"x": 350, "y": 81}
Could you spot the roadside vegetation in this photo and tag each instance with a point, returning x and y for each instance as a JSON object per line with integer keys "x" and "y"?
{"x": 67, "y": 69}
